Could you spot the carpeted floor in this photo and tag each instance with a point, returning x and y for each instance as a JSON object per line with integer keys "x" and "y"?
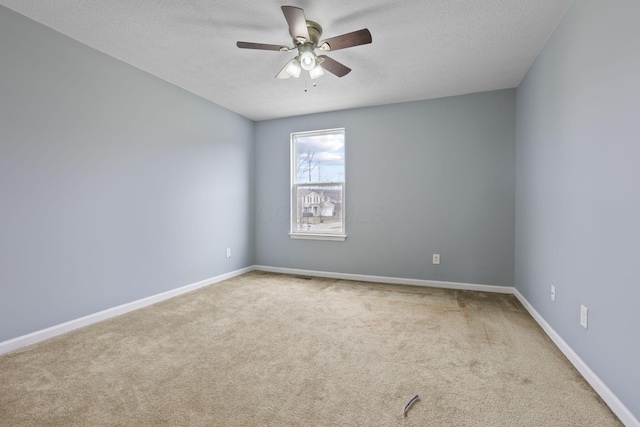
{"x": 265, "y": 349}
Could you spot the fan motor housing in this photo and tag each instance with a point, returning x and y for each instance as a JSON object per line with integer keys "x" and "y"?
{"x": 315, "y": 31}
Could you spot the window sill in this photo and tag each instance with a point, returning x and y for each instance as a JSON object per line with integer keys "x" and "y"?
{"x": 310, "y": 236}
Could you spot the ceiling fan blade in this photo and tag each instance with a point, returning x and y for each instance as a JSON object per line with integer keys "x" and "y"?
{"x": 297, "y": 23}
{"x": 333, "y": 66}
{"x": 259, "y": 46}
{"x": 355, "y": 38}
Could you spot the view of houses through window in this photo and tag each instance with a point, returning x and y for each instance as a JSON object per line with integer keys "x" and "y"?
{"x": 317, "y": 164}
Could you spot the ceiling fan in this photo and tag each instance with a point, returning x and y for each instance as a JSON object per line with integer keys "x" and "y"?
{"x": 306, "y": 36}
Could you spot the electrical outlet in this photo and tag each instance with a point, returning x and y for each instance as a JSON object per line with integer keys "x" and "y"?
{"x": 228, "y": 252}
{"x": 553, "y": 293}
{"x": 436, "y": 258}
{"x": 584, "y": 316}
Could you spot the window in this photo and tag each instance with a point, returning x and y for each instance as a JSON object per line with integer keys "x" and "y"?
{"x": 317, "y": 185}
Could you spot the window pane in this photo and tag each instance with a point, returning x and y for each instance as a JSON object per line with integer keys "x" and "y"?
{"x": 319, "y": 209}
{"x": 320, "y": 157}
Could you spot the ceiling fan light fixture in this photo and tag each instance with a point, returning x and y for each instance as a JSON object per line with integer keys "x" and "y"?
{"x": 316, "y": 72}
{"x": 307, "y": 58}
{"x": 293, "y": 68}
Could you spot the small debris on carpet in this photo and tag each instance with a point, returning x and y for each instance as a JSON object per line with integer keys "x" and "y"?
{"x": 411, "y": 402}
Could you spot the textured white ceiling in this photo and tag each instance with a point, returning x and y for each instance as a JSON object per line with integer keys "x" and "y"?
{"x": 421, "y": 49}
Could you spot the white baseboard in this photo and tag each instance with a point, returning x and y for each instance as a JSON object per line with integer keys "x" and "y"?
{"x": 390, "y": 280}
{"x": 627, "y": 418}
{"x": 34, "y": 337}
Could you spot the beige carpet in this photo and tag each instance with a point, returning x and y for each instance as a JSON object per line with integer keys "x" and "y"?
{"x": 273, "y": 350}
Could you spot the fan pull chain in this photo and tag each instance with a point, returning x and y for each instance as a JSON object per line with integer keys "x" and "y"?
{"x": 305, "y": 85}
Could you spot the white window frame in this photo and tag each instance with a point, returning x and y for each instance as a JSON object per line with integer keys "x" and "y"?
{"x": 297, "y": 234}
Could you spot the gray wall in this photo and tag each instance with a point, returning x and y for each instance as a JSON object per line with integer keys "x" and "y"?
{"x": 114, "y": 185}
{"x": 422, "y": 177}
{"x": 578, "y": 193}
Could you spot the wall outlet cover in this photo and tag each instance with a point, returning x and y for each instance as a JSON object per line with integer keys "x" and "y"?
{"x": 584, "y": 316}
